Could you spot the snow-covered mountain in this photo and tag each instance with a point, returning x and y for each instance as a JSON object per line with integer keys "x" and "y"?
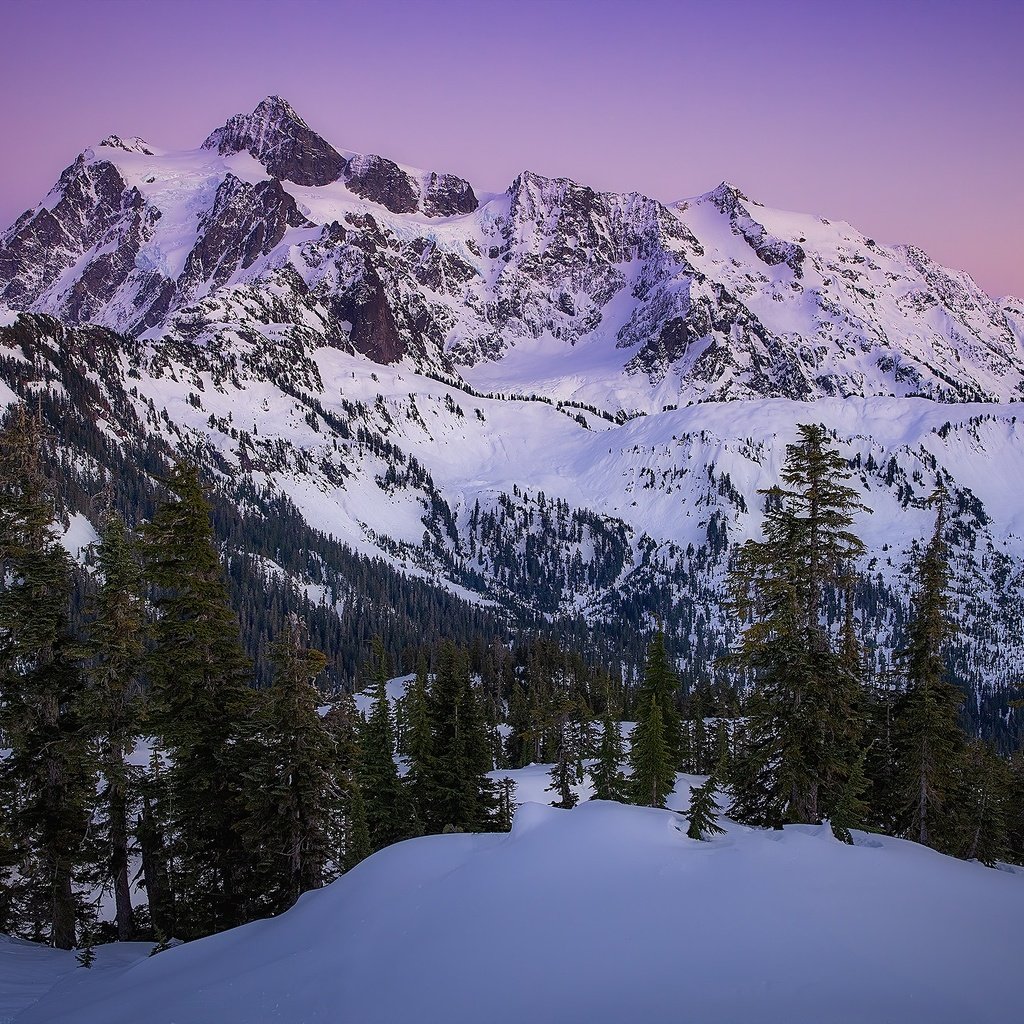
{"x": 554, "y": 403}
{"x": 267, "y": 229}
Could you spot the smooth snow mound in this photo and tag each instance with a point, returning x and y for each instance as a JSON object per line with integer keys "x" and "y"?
{"x": 601, "y": 914}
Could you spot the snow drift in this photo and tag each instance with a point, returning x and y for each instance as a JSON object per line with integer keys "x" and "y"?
{"x": 605, "y": 913}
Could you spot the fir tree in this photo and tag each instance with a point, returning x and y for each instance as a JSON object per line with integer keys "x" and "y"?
{"x": 48, "y": 779}
{"x": 200, "y": 708}
{"x": 930, "y": 741}
{"x": 113, "y": 708}
{"x": 420, "y": 744}
{"x": 567, "y": 769}
{"x": 660, "y": 682}
{"x": 609, "y": 782}
{"x": 387, "y": 804}
{"x": 703, "y": 813}
{"x": 462, "y": 797}
{"x": 804, "y": 720}
{"x": 654, "y": 774}
{"x": 294, "y": 796}
{"x": 983, "y": 799}
{"x": 506, "y": 789}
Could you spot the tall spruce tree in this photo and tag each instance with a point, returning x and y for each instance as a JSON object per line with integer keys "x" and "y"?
{"x": 113, "y": 707}
{"x": 661, "y": 682}
{"x": 294, "y": 796}
{"x": 200, "y": 709}
{"x": 804, "y": 715}
{"x": 930, "y": 741}
{"x": 47, "y": 782}
{"x": 388, "y": 810}
{"x": 420, "y": 744}
{"x": 567, "y": 769}
{"x": 462, "y": 796}
{"x": 606, "y": 775}
{"x": 654, "y": 774}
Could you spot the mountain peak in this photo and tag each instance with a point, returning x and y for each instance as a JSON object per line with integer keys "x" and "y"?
{"x": 278, "y": 138}
{"x": 132, "y": 145}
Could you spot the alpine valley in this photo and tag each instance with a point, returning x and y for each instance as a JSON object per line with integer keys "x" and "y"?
{"x": 435, "y": 411}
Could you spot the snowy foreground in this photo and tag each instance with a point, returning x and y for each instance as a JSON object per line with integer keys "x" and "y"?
{"x": 605, "y": 913}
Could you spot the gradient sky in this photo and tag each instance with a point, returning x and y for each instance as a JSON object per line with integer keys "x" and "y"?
{"x": 904, "y": 118}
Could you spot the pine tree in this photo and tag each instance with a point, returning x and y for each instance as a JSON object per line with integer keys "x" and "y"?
{"x": 506, "y": 789}
{"x": 200, "y": 709}
{"x": 609, "y": 782}
{"x": 930, "y": 741}
{"x": 420, "y": 744}
{"x": 86, "y": 955}
{"x": 462, "y": 796}
{"x": 983, "y": 801}
{"x": 660, "y": 682}
{"x": 703, "y": 813}
{"x": 47, "y": 782}
{"x": 387, "y": 805}
{"x": 113, "y": 705}
{"x": 804, "y": 717}
{"x": 654, "y": 774}
{"x": 351, "y": 833}
{"x": 294, "y": 796}
{"x": 567, "y": 769}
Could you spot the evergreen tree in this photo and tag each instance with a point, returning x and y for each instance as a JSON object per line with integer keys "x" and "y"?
{"x": 351, "y": 833}
{"x": 462, "y": 796}
{"x": 567, "y": 769}
{"x": 654, "y": 774}
{"x": 113, "y": 706}
{"x": 804, "y": 721}
{"x": 420, "y": 744}
{"x": 506, "y": 789}
{"x": 660, "y": 682}
{"x": 47, "y": 782}
{"x": 294, "y": 796}
{"x": 387, "y": 804}
{"x": 983, "y": 805}
{"x": 200, "y": 708}
{"x": 609, "y": 782}
{"x": 703, "y": 813}
{"x": 930, "y": 741}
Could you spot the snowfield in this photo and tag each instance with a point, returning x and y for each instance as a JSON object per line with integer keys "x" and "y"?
{"x": 605, "y": 913}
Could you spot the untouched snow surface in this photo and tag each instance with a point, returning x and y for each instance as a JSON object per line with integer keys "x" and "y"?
{"x": 608, "y": 914}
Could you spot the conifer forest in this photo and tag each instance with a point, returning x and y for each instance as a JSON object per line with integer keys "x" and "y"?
{"x": 176, "y": 758}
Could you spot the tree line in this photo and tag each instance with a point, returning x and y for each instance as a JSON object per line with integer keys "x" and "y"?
{"x": 144, "y": 753}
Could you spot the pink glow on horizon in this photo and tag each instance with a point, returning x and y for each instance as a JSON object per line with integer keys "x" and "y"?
{"x": 904, "y": 118}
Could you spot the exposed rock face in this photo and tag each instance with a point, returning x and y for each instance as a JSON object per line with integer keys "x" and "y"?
{"x": 382, "y": 181}
{"x": 276, "y": 136}
{"x": 86, "y": 206}
{"x": 246, "y": 222}
{"x": 446, "y": 195}
{"x": 715, "y": 298}
{"x": 133, "y": 145}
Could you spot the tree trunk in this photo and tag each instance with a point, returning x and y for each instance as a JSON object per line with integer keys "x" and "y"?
{"x": 119, "y": 866}
{"x": 62, "y": 904}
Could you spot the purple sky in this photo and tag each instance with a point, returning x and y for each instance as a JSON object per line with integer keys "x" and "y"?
{"x": 904, "y": 118}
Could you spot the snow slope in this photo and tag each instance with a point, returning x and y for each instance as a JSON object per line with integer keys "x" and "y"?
{"x": 602, "y": 914}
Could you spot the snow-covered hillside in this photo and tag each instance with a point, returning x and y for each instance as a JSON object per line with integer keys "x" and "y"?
{"x": 537, "y": 509}
{"x": 605, "y": 913}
